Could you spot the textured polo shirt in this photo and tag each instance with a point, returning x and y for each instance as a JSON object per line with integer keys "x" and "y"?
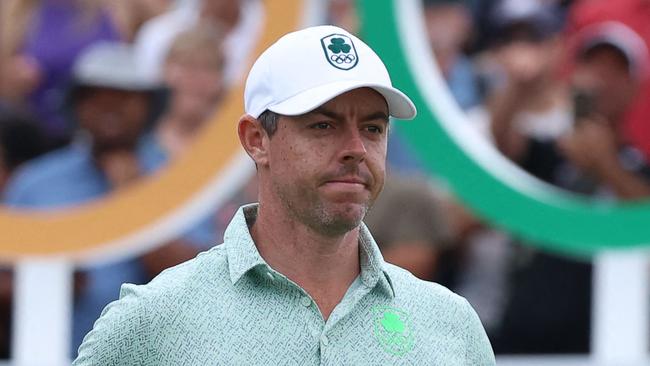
{"x": 229, "y": 307}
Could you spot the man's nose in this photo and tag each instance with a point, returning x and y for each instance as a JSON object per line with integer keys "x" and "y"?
{"x": 354, "y": 149}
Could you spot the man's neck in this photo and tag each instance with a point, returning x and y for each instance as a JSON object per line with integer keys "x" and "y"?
{"x": 323, "y": 266}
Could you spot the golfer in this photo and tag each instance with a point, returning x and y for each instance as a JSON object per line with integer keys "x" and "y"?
{"x": 299, "y": 279}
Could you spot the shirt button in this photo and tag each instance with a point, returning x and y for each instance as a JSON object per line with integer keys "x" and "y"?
{"x": 270, "y": 276}
{"x": 305, "y": 301}
{"x": 324, "y": 340}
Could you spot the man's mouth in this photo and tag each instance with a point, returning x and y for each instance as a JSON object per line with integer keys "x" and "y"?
{"x": 347, "y": 184}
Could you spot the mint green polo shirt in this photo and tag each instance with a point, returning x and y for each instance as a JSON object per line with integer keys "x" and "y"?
{"x": 229, "y": 307}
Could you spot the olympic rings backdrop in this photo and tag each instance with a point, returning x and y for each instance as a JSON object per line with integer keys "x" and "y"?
{"x": 159, "y": 207}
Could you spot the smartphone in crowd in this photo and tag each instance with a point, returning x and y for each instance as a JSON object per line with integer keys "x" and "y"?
{"x": 583, "y": 105}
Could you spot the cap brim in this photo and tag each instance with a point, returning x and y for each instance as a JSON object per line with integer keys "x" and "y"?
{"x": 399, "y": 105}
{"x": 118, "y": 82}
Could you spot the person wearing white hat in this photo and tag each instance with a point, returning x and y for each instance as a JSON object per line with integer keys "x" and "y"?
{"x": 113, "y": 105}
{"x": 299, "y": 278}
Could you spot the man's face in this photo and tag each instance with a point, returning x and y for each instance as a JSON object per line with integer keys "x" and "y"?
{"x": 113, "y": 118}
{"x": 327, "y": 167}
{"x": 223, "y": 11}
{"x": 196, "y": 85}
{"x": 604, "y": 73}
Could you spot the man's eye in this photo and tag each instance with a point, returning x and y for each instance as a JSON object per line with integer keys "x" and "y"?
{"x": 321, "y": 126}
{"x": 374, "y": 129}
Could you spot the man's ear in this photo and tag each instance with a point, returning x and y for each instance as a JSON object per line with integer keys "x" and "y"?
{"x": 253, "y": 139}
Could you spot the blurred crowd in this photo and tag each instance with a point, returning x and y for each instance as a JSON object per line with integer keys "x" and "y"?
{"x": 95, "y": 94}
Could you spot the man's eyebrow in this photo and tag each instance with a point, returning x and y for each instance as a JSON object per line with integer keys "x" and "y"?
{"x": 337, "y": 116}
{"x": 374, "y": 116}
{"x": 327, "y": 113}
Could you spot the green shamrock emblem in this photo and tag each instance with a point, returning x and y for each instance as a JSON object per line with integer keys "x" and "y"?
{"x": 392, "y": 330}
{"x": 392, "y": 323}
{"x": 338, "y": 45}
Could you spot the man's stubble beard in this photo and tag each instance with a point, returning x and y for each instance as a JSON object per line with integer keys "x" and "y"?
{"x": 312, "y": 212}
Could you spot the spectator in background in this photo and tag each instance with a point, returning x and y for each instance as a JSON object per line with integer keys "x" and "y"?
{"x": 634, "y": 14}
{"x": 449, "y": 27}
{"x": 240, "y": 20}
{"x": 524, "y": 87}
{"x": 40, "y": 41}
{"x": 483, "y": 13}
{"x": 343, "y": 13}
{"x": 130, "y": 15}
{"x": 193, "y": 71}
{"x": 549, "y": 306}
{"x": 112, "y": 104}
{"x": 409, "y": 224}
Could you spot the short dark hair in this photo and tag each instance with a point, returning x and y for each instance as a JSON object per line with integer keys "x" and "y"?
{"x": 606, "y": 47}
{"x": 269, "y": 121}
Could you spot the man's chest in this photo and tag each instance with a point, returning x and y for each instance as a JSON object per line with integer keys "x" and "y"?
{"x": 292, "y": 332}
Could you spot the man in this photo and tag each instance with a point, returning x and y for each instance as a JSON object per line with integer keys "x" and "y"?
{"x": 112, "y": 104}
{"x": 193, "y": 72}
{"x": 299, "y": 279}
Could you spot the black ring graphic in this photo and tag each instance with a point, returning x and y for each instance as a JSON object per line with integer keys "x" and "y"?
{"x": 340, "y": 59}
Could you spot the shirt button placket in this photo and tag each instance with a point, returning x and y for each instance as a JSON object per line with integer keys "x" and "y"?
{"x": 270, "y": 276}
{"x": 305, "y": 301}
{"x": 324, "y": 340}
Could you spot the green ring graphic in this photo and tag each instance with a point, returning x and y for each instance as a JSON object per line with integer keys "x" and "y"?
{"x": 550, "y": 218}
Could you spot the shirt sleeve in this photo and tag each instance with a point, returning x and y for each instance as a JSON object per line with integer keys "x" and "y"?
{"x": 120, "y": 335}
{"x": 479, "y": 351}
{"x": 16, "y": 193}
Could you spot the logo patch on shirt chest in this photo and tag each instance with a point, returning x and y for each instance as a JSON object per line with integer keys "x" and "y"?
{"x": 392, "y": 330}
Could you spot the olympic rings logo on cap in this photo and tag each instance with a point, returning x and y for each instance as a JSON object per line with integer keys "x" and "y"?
{"x": 340, "y": 59}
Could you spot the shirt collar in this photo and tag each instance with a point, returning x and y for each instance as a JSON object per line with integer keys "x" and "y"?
{"x": 372, "y": 263}
{"x": 243, "y": 255}
{"x": 240, "y": 248}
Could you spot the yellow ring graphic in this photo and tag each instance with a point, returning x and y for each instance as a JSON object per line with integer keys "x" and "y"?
{"x": 74, "y": 231}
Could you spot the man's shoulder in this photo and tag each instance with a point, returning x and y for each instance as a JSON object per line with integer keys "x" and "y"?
{"x": 157, "y": 314}
{"x": 206, "y": 273}
{"x": 61, "y": 159}
{"x": 57, "y": 168}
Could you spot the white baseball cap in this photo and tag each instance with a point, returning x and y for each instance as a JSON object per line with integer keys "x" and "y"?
{"x": 110, "y": 64}
{"x": 304, "y": 69}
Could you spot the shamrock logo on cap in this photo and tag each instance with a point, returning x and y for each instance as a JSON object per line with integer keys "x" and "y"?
{"x": 340, "y": 51}
{"x": 338, "y": 45}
